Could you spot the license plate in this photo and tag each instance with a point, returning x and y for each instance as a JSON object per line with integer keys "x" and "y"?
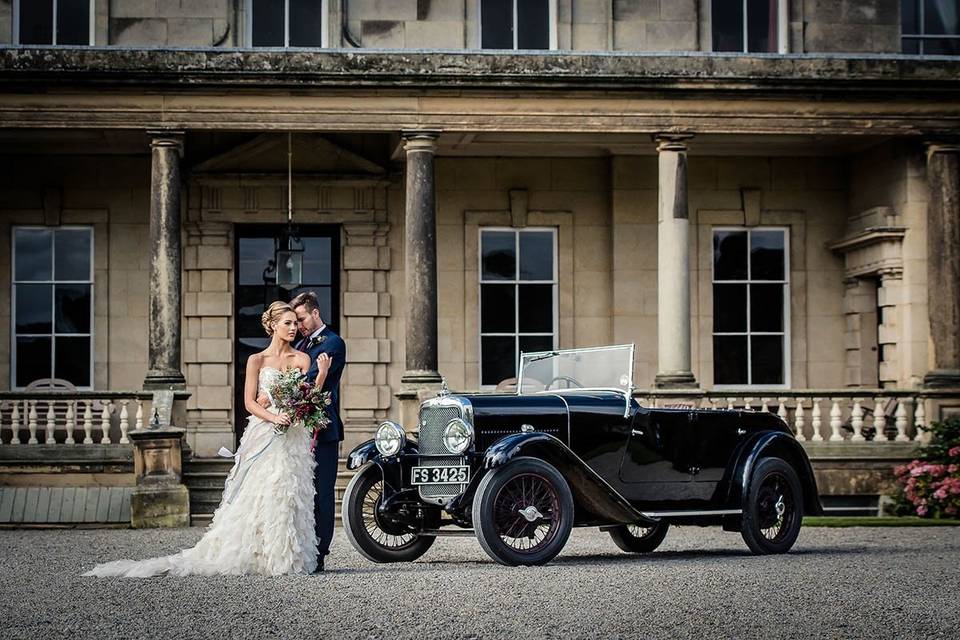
{"x": 440, "y": 475}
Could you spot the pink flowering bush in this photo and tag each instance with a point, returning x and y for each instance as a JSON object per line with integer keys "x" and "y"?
{"x": 930, "y": 486}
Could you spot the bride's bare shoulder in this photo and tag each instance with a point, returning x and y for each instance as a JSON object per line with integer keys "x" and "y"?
{"x": 302, "y": 361}
{"x": 255, "y": 360}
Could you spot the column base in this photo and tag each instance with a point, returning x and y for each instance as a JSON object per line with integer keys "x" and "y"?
{"x": 158, "y": 380}
{"x": 676, "y": 380}
{"x": 942, "y": 378}
{"x": 420, "y": 378}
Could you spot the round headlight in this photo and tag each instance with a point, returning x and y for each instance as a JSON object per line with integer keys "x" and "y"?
{"x": 458, "y": 436}
{"x": 390, "y": 438}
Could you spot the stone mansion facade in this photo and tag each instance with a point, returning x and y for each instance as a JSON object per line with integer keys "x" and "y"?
{"x": 764, "y": 196}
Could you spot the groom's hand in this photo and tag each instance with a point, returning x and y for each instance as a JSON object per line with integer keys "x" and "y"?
{"x": 263, "y": 401}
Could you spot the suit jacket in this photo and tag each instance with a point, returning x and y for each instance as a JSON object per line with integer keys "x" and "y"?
{"x": 335, "y": 346}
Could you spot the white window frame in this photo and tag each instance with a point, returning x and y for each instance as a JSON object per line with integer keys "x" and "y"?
{"x": 324, "y": 27}
{"x": 92, "y": 26}
{"x": 783, "y": 28}
{"x": 551, "y": 18}
{"x": 922, "y": 36}
{"x": 516, "y": 282}
{"x": 786, "y": 307}
{"x": 52, "y": 282}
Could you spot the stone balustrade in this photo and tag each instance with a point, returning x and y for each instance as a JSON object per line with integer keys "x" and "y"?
{"x": 818, "y": 415}
{"x": 72, "y": 417}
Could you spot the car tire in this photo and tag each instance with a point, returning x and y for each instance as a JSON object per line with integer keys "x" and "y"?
{"x": 363, "y": 529}
{"x": 773, "y": 511}
{"x": 531, "y": 538}
{"x": 638, "y": 539}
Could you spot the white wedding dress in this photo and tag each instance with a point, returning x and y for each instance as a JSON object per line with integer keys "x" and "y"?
{"x": 265, "y": 522}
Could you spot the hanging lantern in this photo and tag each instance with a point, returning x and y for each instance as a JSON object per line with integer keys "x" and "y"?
{"x": 289, "y": 248}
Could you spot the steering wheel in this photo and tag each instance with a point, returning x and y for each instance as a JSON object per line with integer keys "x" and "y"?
{"x": 570, "y": 381}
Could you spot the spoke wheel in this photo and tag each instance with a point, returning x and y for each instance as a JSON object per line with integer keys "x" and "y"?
{"x": 774, "y": 509}
{"x": 634, "y": 538}
{"x": 375, "y": 539}
{"x": 523, "y": 512}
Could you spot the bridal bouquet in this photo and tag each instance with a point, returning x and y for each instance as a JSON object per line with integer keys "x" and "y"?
{"x": 305, "y": 403}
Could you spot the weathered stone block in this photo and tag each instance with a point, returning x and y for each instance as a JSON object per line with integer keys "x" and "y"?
{"x": 190, "y": 32}
{"x": 671, "y": 36}
{"x": 215, "y": 375}
{"x": 214, "y": 350}
{"x": 214, "y": 397}
{"x": 138, "y": 32}
{"x": 360, "y": 257}
{"x": 636, "y": 10}
{"x": 439, "y": 35}
{"x": 382, "y": 34}
{"x": 214, "y": 327}
{"x": 361, "y": 304}
{"x": 215, "y": 280}
{"x": 160, "y": 506}
{"x": 360, "y": 327}
{"x": 134, "y": 8}
{"x": 215, "y": 304}
{"x": 358, "y": 280}
{"x": 678, "y": 10}
{"x": 192, "y": 8}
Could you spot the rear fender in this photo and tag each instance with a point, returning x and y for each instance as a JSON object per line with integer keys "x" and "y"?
{"x": 591, "y": 493}
{"x": 779, "y": 445}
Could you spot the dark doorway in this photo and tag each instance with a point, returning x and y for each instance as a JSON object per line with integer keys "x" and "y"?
{"x": 255, "y": 289}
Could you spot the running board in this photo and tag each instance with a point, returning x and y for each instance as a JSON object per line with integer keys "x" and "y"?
{"x": 688, "y": 514}
{"x": 449, "y": 533}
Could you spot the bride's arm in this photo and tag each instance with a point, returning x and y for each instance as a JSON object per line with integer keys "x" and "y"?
{"x": 250, "y": 394}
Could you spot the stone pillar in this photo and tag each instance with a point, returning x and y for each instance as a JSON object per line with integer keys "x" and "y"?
{"x": 165, "y": 263}
{"x": 943, "y": 264}
{"x": 421, "y": 259}
{"x": 673, "y": 265}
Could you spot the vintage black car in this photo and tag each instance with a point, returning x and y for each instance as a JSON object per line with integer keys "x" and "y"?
{"x": 573, "y": 448}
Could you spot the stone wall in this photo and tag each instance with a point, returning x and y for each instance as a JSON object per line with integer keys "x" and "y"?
{"x": 178, "y": 23}
{"x": 851, "y": 26}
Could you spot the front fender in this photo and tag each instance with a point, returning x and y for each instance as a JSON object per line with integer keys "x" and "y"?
{"x": 367, "y": 452}
{"x": 780, "y": 445}
{"x": 591, "y": 493}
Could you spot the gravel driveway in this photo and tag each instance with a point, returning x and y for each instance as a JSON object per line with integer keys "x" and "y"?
{"x": 702, "y": 583}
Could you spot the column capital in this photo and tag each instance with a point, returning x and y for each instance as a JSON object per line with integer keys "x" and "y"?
{"x": 415, "y": 140}
{"x": 166, "y": 138}
{"x": 671, "y": 141}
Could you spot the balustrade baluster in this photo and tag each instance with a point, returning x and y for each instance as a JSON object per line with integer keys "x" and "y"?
{"x": 139, "y": 422}
{"x": 798, "y": 421}
{"x": 15, "y": 423}
{"x": 32, "y": 423}
{"x": 50, "y": 436}
{"x": 880, "y": 420}
{"x": 900, "y": 421}
{"x": 856, "y": 421}
{"x": 919, "y": 421}
{"x": 88, "y": 422}
{"x": 782, "y": 411}
{"x": 105, "y": 423}
{"x": 765, "y": 404}
{"x": 713, "y": 403}
{"x": 835, "y": 421}
{"x": 71, "y": 422}
{"x": 124, "y": 423}
{"x": 730, "y": 405}
{"x": 816, "y": 421}
{"x": 746, "y": 404}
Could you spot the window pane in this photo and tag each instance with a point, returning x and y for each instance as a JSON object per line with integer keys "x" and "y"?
{"x": 727, "y": 27}
{"x": 767, "y": 359}
{"x": 536, "y": 308}
{"x": 730, "y": 360}
{"x": 267, "y": 23}
{"x": 316, "y": 260}
{"x": 255, "y": 255}
{"x": 944, "y": 47}
{"x": 940, "y": 17}
{"x": 306, "y": 23}
{"x": 729, "y": 308}
{"x": 533, "y": 24}
{"x": 34, "y": 308}
{"x": 72, "y": 254}
{"x": 496, "y": 24}
{"x": 497, "y": 308}
{"x": 730, "y": 255}
{"x": 36, "y": 22}
{"x": 33, "y": 360}
{"x": 73, "y": 21}
{"x": 34, "y": 254}
{"x": 762, "y": 26}
{"x": 911, "y": 45}
{"x": 498, "y": 359}
{"x": 766, "y": 307}
{"x": 909, "y": 14}
{"x": 767, "y": 255}
{"x": 72, "y": 311}
{"x": 498, "y": 251}
{"x": 73, "y": 360}
{"x": 536, "y": 255}
{"x": 532, "y": 344}
{"x": 250, "y": 306}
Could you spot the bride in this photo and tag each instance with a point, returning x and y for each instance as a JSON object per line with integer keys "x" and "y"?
{"x": 265, "y": 521}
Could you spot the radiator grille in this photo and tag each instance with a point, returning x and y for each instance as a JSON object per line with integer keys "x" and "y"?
{"x": 433, "y": 421}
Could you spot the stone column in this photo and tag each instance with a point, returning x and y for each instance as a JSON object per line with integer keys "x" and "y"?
{"x": 673, "y": 265}
{"x": 165, "y": 262}
{"x": 943, "y": 263}
{"x": 421, "y": 259}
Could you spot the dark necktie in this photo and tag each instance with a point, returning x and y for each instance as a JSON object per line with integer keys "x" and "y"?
{"x": 303, "y": 344}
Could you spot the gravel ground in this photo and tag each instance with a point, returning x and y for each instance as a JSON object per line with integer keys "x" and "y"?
{"x": 836, "y": 583}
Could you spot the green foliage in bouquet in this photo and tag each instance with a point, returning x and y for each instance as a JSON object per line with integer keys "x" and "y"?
{"x": 929, "y": 486}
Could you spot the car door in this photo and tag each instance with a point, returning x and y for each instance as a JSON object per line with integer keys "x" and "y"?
{"x": 657, "y": 463}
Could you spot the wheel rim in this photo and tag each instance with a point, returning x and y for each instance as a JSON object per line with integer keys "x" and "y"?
{"x": 526, "y": 513}
{"x": 775, "y": 507}
{"x": 639, "y": 532}
{"x": 368, "y": 515}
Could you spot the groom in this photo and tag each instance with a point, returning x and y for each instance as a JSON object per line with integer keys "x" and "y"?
{"x": 319, "y": 339}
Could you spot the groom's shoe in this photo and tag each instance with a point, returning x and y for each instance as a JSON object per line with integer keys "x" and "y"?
{"x": 319, "y": 568}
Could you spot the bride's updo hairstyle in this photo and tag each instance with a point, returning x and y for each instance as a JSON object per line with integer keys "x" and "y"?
{"x": 272, "y": 314}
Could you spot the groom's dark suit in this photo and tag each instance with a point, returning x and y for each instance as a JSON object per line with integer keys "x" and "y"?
{"x": 327, "y": 450}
